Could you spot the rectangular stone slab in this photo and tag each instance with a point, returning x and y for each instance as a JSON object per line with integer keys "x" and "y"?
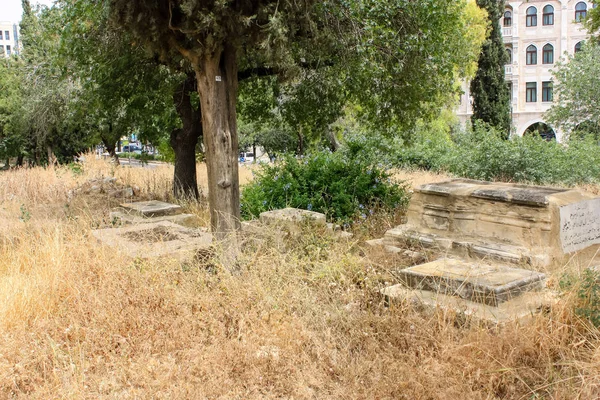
{"x": 152, "y": 208}
{"x": 292, "y": 216}
{"x": 472, "y": 280}
{"x": 580, "y": 225}
{"x": 158, "y": 239}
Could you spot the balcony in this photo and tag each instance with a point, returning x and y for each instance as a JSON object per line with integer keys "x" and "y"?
{"x": 507, "y": 70}
{"x": 507, "y": 31}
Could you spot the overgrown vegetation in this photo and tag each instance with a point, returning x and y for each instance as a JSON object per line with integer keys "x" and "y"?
{"x": 482, "y": 153}
{"x": 342, "y": 188}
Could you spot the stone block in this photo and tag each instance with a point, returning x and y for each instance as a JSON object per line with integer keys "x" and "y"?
{"x": 133, "y": 219}
{"x": 292, "y": 217}
{"x": 522, "y": 308}
{"x": 152, "y": 208}
{"x": 157, "y": 239}
{"x": 476, "y": 281}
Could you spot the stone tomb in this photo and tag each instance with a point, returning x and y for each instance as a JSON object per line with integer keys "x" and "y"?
{"x": 479, "y": 290}
{"x": 156, "y": 239}
{"x": 151, "y": 211}
{"x": 512, "y": 223}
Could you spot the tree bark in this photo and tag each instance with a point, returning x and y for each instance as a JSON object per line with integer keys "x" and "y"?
{"x": 184, "y": 141}
{"x": 216, "y": 74}
{"x": 110, "y": 147}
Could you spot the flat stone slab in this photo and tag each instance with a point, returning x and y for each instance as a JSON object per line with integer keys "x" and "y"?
{"x": 521, "y": 308}
{"x": 134, "y": 219}
{"x": 152, "y": 208}
{"x": 156, "y": 239}
{"x": 476, "y": 281}
{"x": 293, "y": 216}
{"x": 579, "y": 225}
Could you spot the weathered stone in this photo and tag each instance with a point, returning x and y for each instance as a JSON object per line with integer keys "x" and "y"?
{"x": 521, "y": 308}
{"x": 292, "y": 217}
{"x": 125, "y": 192}
{"x": 159, "y": 239}
{"x": 508, "y": 222}
{"x": 580, "y": 225}
{"x": 133, "y": 219}
{"x": 152, "y": 208}
{"x": 375, "y": 242}
{"x": 109, "y": 179}
{"x": 475, "y": 281}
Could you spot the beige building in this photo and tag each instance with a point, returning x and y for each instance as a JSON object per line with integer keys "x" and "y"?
{"x": 9, "y": 38}
{"x": 536, "y": 34}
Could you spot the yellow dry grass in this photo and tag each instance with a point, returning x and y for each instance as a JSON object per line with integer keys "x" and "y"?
{"x": 78, "y": 320}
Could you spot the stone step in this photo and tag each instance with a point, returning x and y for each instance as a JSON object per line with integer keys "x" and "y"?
{"x": 476, "y": 281}
{"x": 522, "y": 308}
{"x": 152, "y": 208}
{"x": 124, "y": 218}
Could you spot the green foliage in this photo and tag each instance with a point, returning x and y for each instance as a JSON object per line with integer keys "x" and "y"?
{"x": 577, "y": 84}
{"x": 587, "y": 290}
{"x": 343, "y": 189}
{"x": 491, "y": 98}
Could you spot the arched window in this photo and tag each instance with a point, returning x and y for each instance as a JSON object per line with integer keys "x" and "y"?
{"x": 508, "y": 55}
{"x": 578, "y": 46}
{"x": 531, "y": 17}
{"x": 580, "y": 11}
{"x": 548, "y": 15}
{"x": 507, "y": 18}
{"x": 548, "y": 54}
{"x": 531, "y": 56}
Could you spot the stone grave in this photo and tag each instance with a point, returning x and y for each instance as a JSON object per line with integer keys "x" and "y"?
{"x": 513, "y": 223}
{"x": 478, "y": 289}
{"x": 156, "y": 239}
{"x": 482, "y": 228}
{"x": 142, "y": 212}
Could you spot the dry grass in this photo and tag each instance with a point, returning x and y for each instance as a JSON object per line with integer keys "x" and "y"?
{"x": 78, "y": 320}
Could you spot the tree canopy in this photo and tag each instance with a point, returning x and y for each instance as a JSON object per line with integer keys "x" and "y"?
{"x": 577, "y": 91}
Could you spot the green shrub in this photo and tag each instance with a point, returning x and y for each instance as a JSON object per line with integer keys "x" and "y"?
{"x": 587, "y": 289}
{"x": 343, "y": 189}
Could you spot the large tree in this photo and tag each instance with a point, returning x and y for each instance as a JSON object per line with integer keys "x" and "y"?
{"x": 491, "y": 97}
{"x": 577, "y": 92}
{"x": 396, "y": 58}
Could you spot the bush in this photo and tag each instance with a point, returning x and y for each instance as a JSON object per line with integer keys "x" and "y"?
{"x": 343, "y": 189}
{"x": 587, "y": 290}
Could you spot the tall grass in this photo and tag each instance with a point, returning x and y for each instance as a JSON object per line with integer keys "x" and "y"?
{"x": 79, "y": 320}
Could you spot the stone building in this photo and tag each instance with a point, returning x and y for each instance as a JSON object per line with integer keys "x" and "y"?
{"x": 536, "y": 34}
{"x": 9, "y": 38}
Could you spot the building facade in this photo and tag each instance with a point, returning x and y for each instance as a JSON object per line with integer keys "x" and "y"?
{"x": 9, "y": 38}
{"x": 536, "y": 33}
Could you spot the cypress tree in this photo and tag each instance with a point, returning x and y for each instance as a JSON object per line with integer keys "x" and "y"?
{"x": 491, "y": 97}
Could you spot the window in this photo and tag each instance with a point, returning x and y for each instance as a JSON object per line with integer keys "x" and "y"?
{"x": 531, "y": 56}
{"x": 509, "y": 55}
{"x": 7, "y": 35}
{"x": 1, "y": 49}
{"x": 531, "y": 92}
{"x": 548, "y": 15}
{"x": 547, "y": 91}
{"x": 580, "y": 11}
{"x": 507, "y": 18}
{"x": 0, "y": 35}
{"x": 548, "y": 54}
{"x": 531, "y": 17}
{"x": 8, "y": 50}
{"x": 578, "y": 46}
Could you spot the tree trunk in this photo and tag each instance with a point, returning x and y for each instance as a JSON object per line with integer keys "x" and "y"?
{"x": 217, "y": 86}
{"x": 52, "y": 161}
{"x": 110, "y": 147}
{"x": 300, "y": 142}
{"x": 184, "y": 141}
{"x": 20, "y": 158}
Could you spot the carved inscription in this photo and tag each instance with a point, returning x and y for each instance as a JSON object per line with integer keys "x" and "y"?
{"x": 580, "y": 225}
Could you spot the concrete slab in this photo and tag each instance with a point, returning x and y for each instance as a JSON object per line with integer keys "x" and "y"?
{"x": 133, "y": 219}
{"x": 152, "y": 208}
{"x": 477, "y": 281}
{"x": 157, "y": 239}
{"x": 292, "y": 216}
{"x": 521, "y": 308}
